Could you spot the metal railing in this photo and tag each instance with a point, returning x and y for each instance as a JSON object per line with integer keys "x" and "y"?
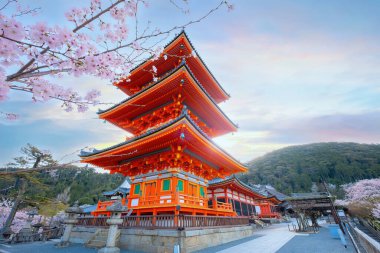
{"x": 167, "y": 221}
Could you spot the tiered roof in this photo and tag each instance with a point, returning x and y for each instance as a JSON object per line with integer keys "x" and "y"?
{"x": 179, "y": 47}
{"x": 165, "y": 92}
{"x": 158, "y": 149}
{"x": 172, "y": 118}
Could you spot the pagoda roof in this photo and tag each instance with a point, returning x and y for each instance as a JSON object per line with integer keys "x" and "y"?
{"x": 197, "y": 144}
{"x": 218, "y": 120}
{"x": 197, "y": 64}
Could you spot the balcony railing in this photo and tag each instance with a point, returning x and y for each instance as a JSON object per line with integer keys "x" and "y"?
{"x": 167, "y": 221}
{"x": 168, "y": 200}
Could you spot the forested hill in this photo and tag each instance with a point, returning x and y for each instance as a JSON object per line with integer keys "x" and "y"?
{"x": 293, "y": 169}
{"x": 65, "y": 185}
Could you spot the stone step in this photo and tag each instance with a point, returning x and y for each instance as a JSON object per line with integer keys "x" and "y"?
{"x": 96, "y": 245}
{"x": 100, "y": 237}
{"x": 98, "y": 240}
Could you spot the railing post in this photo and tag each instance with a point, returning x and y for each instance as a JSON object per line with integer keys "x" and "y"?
{"x": 114, "y": 221}
{"x": 71, "y": 219}
{"x": 214, "y": 203}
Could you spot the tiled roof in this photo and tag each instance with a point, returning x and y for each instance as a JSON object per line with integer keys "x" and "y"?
{"x": 232, "y": 177}
{"x": 187, "y": 37}
{"x": 155, "y": 130}
{"x": 183, "y": 64}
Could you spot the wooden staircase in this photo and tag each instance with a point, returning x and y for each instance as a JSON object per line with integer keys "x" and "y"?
{"x": 99, "y": 239}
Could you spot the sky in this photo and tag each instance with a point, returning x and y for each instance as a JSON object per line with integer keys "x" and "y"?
{"x": 297, "y": 71}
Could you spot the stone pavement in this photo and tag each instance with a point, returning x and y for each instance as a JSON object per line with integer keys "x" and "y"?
{"x": 277, "y": 238}
{"x": 48, "y": 247}
{"x": 316, "y": 243}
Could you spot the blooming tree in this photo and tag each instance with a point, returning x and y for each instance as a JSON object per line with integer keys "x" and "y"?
{"x": 22, "y": 215}
{"x": 376, "y": 210}
{"x": 363, "y": 197}
{"x": 103, "y": 39}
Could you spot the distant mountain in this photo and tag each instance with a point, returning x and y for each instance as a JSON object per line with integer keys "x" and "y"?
{"x": 295, "y": 168}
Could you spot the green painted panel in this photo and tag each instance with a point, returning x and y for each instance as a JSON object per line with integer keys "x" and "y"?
{"x": 180, "y": 185}
{"x": 202, "y": 191}
{"x": 166, "y": 185}
{"x": 137, "y": 189}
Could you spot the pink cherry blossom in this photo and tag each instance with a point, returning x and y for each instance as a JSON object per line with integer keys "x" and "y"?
{"x": 376, "y": 210}
{"x": 11, "y": 116}
{"x": 34, "y": 54}
{"x": 4, "y": 87}
{"x": 364, "y": 194}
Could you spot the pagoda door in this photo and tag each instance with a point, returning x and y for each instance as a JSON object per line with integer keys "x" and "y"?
{"x": 192, "y": 193}
{"x": 150, "y": 192}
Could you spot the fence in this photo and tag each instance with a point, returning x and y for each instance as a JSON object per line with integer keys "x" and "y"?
{"x": 32, "y": 237}
{"x": 167, "y": 221}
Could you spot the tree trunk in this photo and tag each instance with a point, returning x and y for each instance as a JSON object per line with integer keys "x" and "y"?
{"x": 21, "y": 191}
{"x": 7, "y": 226}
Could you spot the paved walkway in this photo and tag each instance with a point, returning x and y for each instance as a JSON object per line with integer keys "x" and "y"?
{"x": 277, "y": 238}
{"x": 48, "y": 247}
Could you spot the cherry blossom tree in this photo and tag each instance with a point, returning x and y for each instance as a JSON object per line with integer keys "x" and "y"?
{"x": 104, "y": 39}
{"x": 21, "y": 216}
{"x": 363, "y": 197}
{"x": 376, "y": 210}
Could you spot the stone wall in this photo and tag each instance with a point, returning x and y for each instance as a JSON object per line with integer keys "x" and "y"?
{"x": 163, "y": 240}
{"x": 82, "y": 234}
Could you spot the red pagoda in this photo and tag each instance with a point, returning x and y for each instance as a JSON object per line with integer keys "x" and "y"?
{"x": 172, "y": 111}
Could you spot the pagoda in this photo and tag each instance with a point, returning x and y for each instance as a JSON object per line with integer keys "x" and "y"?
{"x": 173, "y": 113}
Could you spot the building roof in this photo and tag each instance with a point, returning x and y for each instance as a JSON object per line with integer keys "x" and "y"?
{"x": 212, "y": 79}
{"x": 121, "y": 190}
{"x": 218, "y": 181}
{"x": 124, "y": 188}
{"x": 308, "y": 196}
{"x": 265, "y": 193}
{"x": 182, "y": 123}
{"x": 130, "y": 101}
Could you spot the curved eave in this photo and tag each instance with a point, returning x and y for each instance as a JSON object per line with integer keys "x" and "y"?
{"x": 170, "y": 45}
{"x": 180, "y": 120}
{"x": 127, "y": 102}
{"x": 233, "y": 179}
{"x": 274, "y": 199}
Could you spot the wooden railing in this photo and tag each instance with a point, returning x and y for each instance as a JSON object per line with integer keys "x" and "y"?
{"x": 167, "y": 221}
{"x": 92, "y": 221}
{"x": 171, "y": 199}
{"x": 102, "y": 205}
{"x": 223, "y": 206}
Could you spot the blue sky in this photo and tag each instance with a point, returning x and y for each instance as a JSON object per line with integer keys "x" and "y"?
{"x": 298, "y": 72}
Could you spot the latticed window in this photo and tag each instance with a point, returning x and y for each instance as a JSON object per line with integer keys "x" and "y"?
{"x": 202, "y": 191}
{"x": 166, "y": 185}
{"x": 137, "y": 189}
{"x": 180, "y": 185}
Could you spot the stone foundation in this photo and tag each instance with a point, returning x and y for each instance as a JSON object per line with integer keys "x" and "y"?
{"x": 163, "y": 240}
